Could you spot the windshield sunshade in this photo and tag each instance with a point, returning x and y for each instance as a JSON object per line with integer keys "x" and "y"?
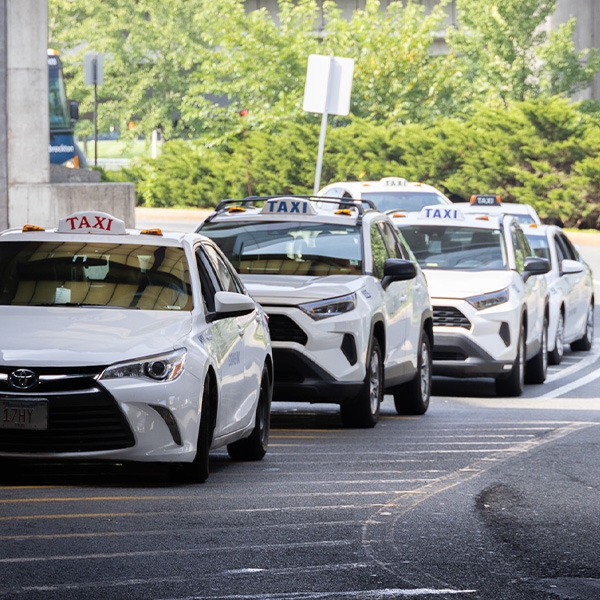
{"x": 290, "y": 248}
{"x": 457, "y": 248}
{"x": 94, "y": 274}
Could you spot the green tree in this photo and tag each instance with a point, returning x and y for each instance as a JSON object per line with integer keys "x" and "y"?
{"x": 151, "y": 47}
{"x": 507, "y": 53}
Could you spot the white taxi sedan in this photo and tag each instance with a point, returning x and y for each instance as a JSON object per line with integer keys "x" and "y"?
{"x": 389, "y": 193}
{"x": 489, "y": 296}
{"x": 349, "y": 311}
{"x": 571, "y": 291}
{"x": 124, "y": 345}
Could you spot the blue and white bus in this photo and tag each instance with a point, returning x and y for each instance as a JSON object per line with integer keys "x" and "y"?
{"x": 63, "y": 114}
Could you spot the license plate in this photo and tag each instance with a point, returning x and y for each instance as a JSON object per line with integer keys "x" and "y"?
{"x": 23, "y": 414}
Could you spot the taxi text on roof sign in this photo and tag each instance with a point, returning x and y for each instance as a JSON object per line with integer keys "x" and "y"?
{"x": 486, "y": 200}
{"x": 440, "y": 212}
{"x": 91, "y": 221}
{"x": 394, "y": 181}
{"x": 288, "y": 206}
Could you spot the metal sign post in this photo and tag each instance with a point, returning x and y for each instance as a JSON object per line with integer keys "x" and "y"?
{"x": 94, "y": 75}
{"x": 327, "y": 91}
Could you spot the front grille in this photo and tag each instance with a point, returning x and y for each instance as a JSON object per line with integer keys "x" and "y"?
{"x": 448, "y": 316}
{"x": 284, "y": 329}
{"x": 82, "y": 415}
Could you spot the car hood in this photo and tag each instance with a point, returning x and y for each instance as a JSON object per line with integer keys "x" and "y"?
{"x": 62, "y": 336}
{"x": 292, "y": 290}
{"x": 463, "y": 284}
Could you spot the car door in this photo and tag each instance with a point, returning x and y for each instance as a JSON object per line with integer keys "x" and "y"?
{"x": 226, "y": 345}
{"x": 575, "y": 288}
{"x": 397, "y": 299}
{"x": 248, "y": 358}
{"x": 534, "y": 289}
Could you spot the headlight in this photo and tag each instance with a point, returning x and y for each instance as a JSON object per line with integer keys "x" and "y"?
{"x": 488, "y": 300}
{"x": 322, "y": 309}
{"x": 162, "y": 367}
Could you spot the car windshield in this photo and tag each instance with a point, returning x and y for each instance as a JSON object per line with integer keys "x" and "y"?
{"x": 408, "y": 201}
{"x": 289, "y": 248}
{"x": 137, "y": 276}
{"x": 457, "y": 248}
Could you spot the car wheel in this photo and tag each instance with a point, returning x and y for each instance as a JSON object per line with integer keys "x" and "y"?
{"x": 363, "y": 410}
{"x": 585, "y": 343}
{"x": 555, "y": 356}
{"x": 254, "y": 447}
{"x": 537, "y": 367}
{"x": 513, "y": 384}
{"x": 197, "y": 471}
{"x": 412, "y": 398}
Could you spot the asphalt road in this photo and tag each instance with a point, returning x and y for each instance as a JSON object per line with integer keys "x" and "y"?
{"x": 481, "y": 498}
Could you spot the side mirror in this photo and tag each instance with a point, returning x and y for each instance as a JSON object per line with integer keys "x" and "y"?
{"x": 231, "y": 304}
{"x": 536, "y": 266}
{"x": 74, "y": 110}
{"x": 569, "y": 266}
{"x": 398, "y": 269}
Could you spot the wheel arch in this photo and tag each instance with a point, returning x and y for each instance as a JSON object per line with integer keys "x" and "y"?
{"x": 378, "y": 331}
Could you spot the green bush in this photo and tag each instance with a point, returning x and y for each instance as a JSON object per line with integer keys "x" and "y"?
{"x": 544, "y": 153}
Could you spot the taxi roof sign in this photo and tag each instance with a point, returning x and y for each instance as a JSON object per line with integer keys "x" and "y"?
{"x": 91, "y": 221}
{"x": 486, "y": 200}
{"x": 288, "y": 206}
{"x": 393, "y": 181}
{"x": 441, "y": 212}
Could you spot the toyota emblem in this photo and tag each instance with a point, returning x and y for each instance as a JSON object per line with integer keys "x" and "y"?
{"x": 23, "y": 379}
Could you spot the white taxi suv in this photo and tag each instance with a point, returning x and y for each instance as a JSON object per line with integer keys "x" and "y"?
{"x": 349, "y": 311}
{"x": 489, "y": 295}
{"x": 491, "y": 204}
{"x": 389, "y": 193}
{"x": 571, "y": 288}
{"x": 124, "y": 345}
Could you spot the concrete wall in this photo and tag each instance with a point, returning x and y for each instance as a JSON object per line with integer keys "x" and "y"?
{"x": 3, "y": 122}
{"x": 45, "y": 204}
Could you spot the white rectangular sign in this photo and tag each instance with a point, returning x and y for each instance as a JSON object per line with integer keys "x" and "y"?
{"x": 328, "y": 84}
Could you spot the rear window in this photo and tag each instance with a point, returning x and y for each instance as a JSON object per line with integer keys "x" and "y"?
{"x": 289, "y": 248}
{"x": 137, "y": 276}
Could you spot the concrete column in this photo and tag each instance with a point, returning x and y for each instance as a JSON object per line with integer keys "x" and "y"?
{"x": 27, "y": 76}
{"x": 587, "y": 31}
{"x": 3, "y": 122}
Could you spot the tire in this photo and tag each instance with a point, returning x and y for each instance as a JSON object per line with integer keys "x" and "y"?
{"x": 197, "y": 471}
{"x": 412, "y": 398}
{"x": 363, "y": 410}
{"x": 555, "y": 356}
{"x": 513, "y": 384}
{"x": 537, "y": 367}
{"x": 254, "y": 447}
{"x": 584, "y": 343}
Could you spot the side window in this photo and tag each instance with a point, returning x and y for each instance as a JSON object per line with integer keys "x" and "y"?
{"x": 520, "y": 251}
{"x": 394, "y": 245}
{"x": 564, "y": 243}
{"x": 378, "y": 250}
{"x": 208, "y": 280}
{"x": 525, "y": 244}
{"x": 228, "y": 280}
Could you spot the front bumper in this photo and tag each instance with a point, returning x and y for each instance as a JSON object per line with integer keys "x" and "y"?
{"x": 298, "y": 379}
{"x": 471, "y": 343}
{"x": 128, "y": 419}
